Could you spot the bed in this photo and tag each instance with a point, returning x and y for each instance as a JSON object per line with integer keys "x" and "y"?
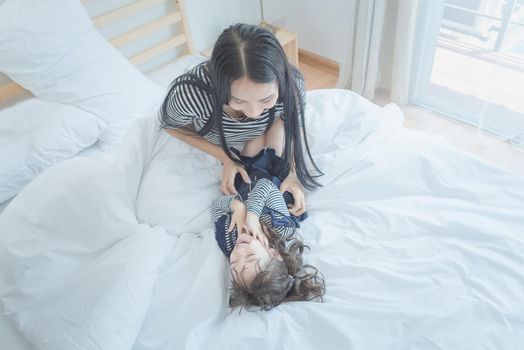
{"x": 421, "y": 245}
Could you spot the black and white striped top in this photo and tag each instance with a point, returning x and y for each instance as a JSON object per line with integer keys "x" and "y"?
{"x": 266, "y": 201}
{"x": 191, "y": 105}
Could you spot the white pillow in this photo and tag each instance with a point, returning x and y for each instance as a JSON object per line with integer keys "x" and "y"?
{"x": 52, "y": 48}
{"x": 36, "y": 134}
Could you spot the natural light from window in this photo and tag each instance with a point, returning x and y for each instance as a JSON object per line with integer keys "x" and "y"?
{"x": 478, "y": 66}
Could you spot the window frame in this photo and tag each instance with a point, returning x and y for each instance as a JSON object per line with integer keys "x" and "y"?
{"x": 429, "y": 19}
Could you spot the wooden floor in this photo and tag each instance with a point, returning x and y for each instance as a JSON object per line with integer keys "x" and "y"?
{"x": 462, "y": 136}
{"x": 317, "y": 75}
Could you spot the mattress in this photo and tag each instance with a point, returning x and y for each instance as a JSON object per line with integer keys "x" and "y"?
{"x": 420, "y": 244}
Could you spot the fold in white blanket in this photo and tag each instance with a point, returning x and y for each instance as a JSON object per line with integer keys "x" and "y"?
{"x": 421, "y": 245}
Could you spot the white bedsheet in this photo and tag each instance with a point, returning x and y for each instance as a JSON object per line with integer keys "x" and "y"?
{"x": 421, "y": 246}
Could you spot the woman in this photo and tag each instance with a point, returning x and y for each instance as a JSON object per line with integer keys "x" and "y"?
{"x": 246, "y": 93}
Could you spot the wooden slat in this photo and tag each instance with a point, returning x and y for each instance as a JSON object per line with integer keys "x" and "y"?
{"x": 189, "y": 38}
{"x": 146, "y": 29}
{"x": 123, "y": 11}
{"x": 156, "y": 50}
{"x": 10, "y": 90}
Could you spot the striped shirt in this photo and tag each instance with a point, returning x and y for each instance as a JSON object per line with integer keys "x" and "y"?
{"x": 191, "y": 105}
{"x": 266, "y": 201}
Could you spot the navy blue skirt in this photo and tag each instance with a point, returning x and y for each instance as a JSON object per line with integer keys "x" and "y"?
{"x": 265, "y": 165}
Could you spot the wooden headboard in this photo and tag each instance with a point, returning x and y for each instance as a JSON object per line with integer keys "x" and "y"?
{"x": 175, "y": 17}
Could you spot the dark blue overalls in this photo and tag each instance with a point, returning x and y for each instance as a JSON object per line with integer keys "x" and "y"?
{"x": 266, "y": 164}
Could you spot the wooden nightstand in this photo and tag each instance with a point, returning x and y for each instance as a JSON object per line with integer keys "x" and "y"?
{"x": 287, "y": 39}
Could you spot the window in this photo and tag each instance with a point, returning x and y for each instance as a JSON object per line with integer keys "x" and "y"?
{"x": 469, "y": 63}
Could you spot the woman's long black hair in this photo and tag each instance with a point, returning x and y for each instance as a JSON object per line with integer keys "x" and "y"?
{"x": 244, "y": 50}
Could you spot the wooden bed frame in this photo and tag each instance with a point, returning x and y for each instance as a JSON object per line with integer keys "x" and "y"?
{"x": 176, "y": 14}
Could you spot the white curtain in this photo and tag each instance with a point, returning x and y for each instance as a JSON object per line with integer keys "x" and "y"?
{"x": 372, "y": 22}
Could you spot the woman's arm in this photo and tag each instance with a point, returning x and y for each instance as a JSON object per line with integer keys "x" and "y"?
{"x": 231, "y": 168}
{"x": 178, "y": 114}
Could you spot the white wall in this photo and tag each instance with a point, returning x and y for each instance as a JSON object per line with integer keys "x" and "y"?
{"x": 208, "y": 18}
{"x": 322, "y": 26}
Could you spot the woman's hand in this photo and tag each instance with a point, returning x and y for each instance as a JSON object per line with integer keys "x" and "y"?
{"x": 292, "y": 184}
{"x": 238, "y": 218}
{"x": 228, "y": 176}
{"x": 254, "y": 227}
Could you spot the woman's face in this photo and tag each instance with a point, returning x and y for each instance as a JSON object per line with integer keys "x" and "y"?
{"x": 248, "y": 257}
{"x": 252, "y": 98}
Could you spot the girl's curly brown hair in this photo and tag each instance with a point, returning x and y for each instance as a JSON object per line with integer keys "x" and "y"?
{"x": 280, "y": 280}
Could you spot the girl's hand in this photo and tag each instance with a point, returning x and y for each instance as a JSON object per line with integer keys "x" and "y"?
{"x": 228, "y": 176}
{"x": 255, "y": 229}
{"x": 292, "y": 184}
{"x": 238, "y": 218}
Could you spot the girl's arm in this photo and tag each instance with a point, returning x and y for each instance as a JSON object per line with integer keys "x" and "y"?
{"x": 224, "y": 206}
{"x": 229, "y": 216}
{"x": 231, "y": 168}
{"x": 265, "y": 194}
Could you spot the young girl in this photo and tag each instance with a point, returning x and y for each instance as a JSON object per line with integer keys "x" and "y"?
{"x": 259, "y": 235}
{"x": 247, "y": 92}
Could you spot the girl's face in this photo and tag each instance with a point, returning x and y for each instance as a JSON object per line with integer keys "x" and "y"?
{"x": 248, "y": 257}
{"x": 252, "y": 98}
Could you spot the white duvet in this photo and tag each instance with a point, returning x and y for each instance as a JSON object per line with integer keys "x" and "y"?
{"x": 421, "y": 245}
